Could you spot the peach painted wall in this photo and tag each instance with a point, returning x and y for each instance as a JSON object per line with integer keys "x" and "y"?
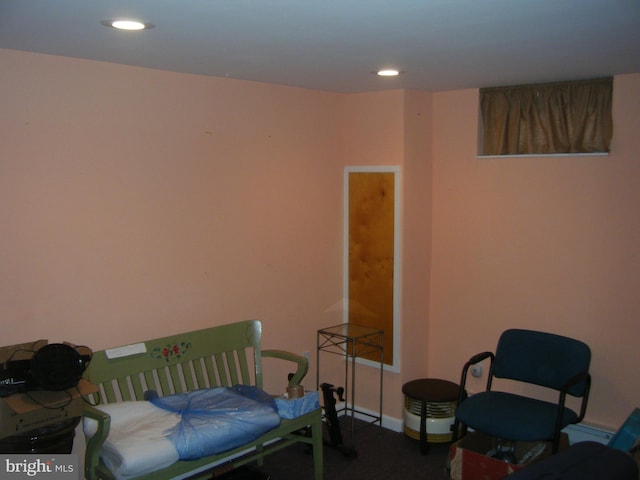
{"x": 548, "y": 243}
{"x": 136, "y": 203}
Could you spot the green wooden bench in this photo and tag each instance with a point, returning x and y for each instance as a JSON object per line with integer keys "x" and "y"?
{"x": 223, "y": 355}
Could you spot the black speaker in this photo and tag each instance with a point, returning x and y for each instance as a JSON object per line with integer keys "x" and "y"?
{"x": 57, "y": 366}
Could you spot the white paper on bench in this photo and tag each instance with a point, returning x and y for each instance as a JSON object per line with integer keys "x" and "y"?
{"x": 126, "y": 350}
{"x": 136, "y": 444}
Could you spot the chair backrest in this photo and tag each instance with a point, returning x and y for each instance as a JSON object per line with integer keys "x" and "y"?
{"x": 541, "y": 358}
{"x": 223, "y": 355}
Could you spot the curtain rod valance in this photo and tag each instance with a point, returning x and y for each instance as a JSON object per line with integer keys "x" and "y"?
{"x": 590, "y": 81}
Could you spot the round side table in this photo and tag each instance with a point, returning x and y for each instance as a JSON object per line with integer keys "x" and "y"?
{"x": 437, "y": 400}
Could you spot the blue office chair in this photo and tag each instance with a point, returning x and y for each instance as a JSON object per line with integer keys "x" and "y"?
{"x": 553, "y": 361}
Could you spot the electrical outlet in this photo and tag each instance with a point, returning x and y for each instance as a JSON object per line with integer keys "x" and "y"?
{"x": 476, "y": 370}
{"x": 306, "y": 355}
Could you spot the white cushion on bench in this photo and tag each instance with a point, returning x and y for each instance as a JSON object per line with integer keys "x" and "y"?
{"x": 136, "y": 444}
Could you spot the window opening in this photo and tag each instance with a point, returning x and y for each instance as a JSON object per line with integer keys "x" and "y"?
{"x": 551, "y": 118}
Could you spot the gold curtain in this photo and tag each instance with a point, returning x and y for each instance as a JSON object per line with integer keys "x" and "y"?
{"x": 566, "y": 117}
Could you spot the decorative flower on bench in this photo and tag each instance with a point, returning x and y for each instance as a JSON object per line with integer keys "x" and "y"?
{"x": 170, "y": 351}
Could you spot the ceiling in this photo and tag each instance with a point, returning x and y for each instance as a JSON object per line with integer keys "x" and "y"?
{"x": 337, "y": 45}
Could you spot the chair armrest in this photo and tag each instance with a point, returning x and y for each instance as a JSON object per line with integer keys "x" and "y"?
{"x": 477, "y": 358}
{"x": 577, "y": 379}
{"x": 302, "y": 364}
{"x": 580, "y": 377}
{"x": 92, "y": 458}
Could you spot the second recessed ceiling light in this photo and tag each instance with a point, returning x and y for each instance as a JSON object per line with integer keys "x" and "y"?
{"x": 125, "y": 24}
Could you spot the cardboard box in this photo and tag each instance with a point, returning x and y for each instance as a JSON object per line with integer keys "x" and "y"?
{"x": 21, "y": 351}
{"x": 24, "y": 412}
{"x": 469, "y": 460}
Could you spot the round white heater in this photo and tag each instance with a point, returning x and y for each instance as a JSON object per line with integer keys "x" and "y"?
{"x": 440, "y": 418}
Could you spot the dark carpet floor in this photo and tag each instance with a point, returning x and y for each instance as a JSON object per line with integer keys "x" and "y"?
{"x": 380, "y": 455}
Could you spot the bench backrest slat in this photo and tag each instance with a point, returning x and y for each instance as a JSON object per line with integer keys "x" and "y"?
{"x": 221, "y": 369}
{"x": 232, "y": 366}
{"x": 148, "y": 378}
{"x": 175, "y": 378}
{"x": 109, "y": 392}
{"x": 224, "y": 355}
{"x": 187, "y": 372}
{"x": 206, "y": 366}
{"x": 123, "y": 388}
{"x": 136, "y": 383}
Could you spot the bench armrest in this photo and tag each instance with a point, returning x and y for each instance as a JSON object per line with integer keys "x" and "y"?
{"x": 301, "y": 362}
{"x": 94, "y": 443}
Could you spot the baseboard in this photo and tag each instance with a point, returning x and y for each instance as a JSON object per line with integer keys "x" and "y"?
{"x": 390, "y": 423}
{"x": 577, "y": 433}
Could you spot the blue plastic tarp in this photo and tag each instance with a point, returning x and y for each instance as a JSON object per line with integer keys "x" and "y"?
{"x": 218, "y": 419}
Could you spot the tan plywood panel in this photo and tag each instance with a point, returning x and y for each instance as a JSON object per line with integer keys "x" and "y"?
{"x": 371, "y": 253}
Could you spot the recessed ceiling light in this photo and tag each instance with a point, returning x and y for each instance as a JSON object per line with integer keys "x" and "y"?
{"x": 388, "y": 72}
{"x": 126, "y": 24}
